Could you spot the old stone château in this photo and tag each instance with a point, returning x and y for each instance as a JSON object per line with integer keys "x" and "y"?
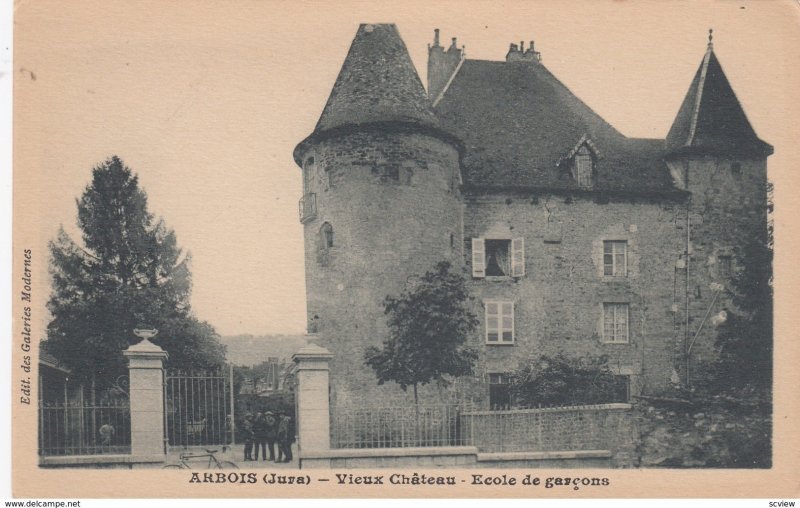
{"x": 575, "y": 237}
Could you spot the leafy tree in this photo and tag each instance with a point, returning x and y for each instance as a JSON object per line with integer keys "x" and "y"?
{"x": 127, "y": 273}
{"x": 745, "y": 339}
{"x": 428, "y": 327}
{"x": 564, "y": 380}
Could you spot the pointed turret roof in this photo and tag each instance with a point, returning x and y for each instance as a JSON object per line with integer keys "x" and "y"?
{"x": 711, "y": 119}
{"x": 377, "y": 85}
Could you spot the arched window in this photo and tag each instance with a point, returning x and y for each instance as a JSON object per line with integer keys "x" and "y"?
{"x": 326, "y": 236}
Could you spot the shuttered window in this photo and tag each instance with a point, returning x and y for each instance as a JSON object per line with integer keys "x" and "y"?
{"x": 498, "y": 257}
{"x": 478, "y": 258}
{"x": 518, "y": 257}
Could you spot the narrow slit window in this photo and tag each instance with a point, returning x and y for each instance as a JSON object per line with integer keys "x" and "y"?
{"x": 326, "y": 236}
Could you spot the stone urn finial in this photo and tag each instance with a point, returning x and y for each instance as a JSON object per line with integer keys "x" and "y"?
{"x": 145, "y": 334}
{"x": 144, "y": 345}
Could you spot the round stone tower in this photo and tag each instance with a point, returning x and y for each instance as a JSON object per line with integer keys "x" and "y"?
{"x": 380, "y": 204}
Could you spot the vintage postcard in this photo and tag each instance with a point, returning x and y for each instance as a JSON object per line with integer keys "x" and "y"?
{"x": 269, "y": 249}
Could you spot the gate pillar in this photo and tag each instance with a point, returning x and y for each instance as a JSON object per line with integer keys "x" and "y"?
{"x": 146, "y": 372}
{"x": 313, "y": 408}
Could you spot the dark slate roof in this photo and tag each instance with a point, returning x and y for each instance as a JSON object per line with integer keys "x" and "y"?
{"x": 377, "y": 83}
{"x": 711, "y": 120}
{"x": 517, "y": 122}
{"x": 378, "y": 88}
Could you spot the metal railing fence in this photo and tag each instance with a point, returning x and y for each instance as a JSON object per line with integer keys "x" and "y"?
{"x": 75, "y": 428}
{"x": 197, "y": 406}
{"x": 398, "y": 427}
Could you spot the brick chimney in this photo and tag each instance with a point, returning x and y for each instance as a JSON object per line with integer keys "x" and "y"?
{"x": 520, "y": 54}
{"x": 442, "y": 64}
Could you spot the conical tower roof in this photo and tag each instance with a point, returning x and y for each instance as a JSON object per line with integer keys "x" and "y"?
{"x": 377, "y": 83}
{"x": 711, "y": 119}
{"x": 377, "y": 88}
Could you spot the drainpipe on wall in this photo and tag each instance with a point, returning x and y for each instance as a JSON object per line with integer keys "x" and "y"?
{"x": 688, "y": 256}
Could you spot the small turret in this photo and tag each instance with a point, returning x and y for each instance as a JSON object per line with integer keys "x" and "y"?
{"x": 714, "y": 154}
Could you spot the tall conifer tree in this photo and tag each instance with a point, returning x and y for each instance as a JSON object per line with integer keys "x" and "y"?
{"x": 128, "y": 273}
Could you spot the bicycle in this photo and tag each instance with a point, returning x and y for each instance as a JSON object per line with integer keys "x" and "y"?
{"x": 213, "y": 462}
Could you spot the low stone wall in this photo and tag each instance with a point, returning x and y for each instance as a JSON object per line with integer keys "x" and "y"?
{"x": 370, "y": 458}
{"x": 546, "y": 460}
{"x": 577, "y": 428}
{"x": 453, "y": 457}
{"x": 102, "y": 461}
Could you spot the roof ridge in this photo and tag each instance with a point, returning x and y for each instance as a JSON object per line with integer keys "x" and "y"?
{"x": 699, "y": 98}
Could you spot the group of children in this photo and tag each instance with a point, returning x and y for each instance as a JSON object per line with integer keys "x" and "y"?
{"x": 266, "y": 429}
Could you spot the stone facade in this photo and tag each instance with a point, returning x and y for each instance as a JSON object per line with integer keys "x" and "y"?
{"x": 558, "y": 304}
{"x": 640, "y": 235}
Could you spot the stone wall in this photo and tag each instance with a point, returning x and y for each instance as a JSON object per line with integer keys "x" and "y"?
{"x": 728, "y": 207}
{"x": 463, "y": 457}
{"x": 558, "y": 303}
{"x": 581, "y": 428}
{"x": 103, "y": 461}
{"x": 429, "y": 457}
{"x": 395, "y": 209}
{"x": 393, "y": 203}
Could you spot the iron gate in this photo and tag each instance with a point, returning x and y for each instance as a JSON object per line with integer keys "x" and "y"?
{"x": 198, "y": 408}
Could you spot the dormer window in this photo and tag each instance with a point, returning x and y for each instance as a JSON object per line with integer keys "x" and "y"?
{"x": 583, "y": 167}
{"x": 580, "y": 162}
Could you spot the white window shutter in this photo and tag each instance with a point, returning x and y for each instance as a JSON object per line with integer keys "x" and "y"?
{"x": 478, "y": 258}
{"x": 518, "y": 257}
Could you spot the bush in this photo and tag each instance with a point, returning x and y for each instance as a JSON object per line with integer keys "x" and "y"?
{"x": 570, "y": 381}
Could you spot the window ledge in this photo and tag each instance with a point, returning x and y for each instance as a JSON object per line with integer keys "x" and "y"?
{"x": 500, "y": 343}
{"x": 615, "y": 342}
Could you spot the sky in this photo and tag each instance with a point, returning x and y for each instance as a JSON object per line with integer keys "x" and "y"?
{"x": 205, "y": 101}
